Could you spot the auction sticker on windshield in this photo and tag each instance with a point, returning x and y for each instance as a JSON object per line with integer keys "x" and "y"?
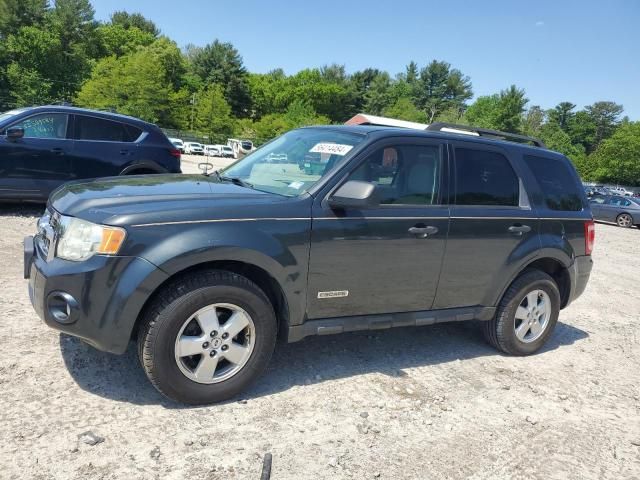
{"x": 331, "y": 148}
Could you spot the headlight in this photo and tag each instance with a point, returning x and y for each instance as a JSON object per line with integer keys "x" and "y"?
{"x": 80, "y": 239}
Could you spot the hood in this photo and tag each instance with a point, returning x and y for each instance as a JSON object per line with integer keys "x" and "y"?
{"x": 155, "y": 198}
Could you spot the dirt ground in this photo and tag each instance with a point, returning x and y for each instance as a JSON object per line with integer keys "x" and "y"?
{"x": 418, "y": 403}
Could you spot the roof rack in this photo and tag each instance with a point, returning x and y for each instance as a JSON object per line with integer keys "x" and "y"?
{"x": 484, "y": 132}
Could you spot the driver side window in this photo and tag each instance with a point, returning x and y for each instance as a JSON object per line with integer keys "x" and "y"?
{"x": 44, "y": 125}
{"x": 403, "y": 174}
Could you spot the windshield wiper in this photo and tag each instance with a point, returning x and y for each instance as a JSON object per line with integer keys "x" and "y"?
{"x": 234, "y": 180}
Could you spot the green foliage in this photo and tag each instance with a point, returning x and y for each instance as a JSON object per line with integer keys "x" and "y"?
{"x": 404, "y": 109}
{"x": 440, "y": 87}
{"x": 221, "y": 63}
{"x": 511, "y": 106}
{"x": 15, "y": 14}
{"x": 142, "y": 84}
{"x": 617, "y": 159}
{"x": 213, "y": 113}
{"x": 117, "y": 40}
{"x": 134, "y": 20}
{"x": 605, "y": 117}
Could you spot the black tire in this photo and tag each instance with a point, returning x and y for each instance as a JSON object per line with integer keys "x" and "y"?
{"x": 164, "y": 317}
{"x": 500, "y": 331}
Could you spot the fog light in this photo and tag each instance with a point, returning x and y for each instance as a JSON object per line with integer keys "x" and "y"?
{"x": 62, "y": 307}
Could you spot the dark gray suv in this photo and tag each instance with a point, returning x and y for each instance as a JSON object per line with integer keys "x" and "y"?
{"x": 363, "y": 227}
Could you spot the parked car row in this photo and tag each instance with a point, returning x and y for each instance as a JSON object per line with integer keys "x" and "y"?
{"x": 594, "y": 190}
{"x": 234, "y": 149}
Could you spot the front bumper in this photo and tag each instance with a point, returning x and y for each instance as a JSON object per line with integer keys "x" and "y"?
{"x": 98, "y": 300}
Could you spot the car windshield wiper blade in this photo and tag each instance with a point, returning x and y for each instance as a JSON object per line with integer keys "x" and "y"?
{"x": 234, "y": 180}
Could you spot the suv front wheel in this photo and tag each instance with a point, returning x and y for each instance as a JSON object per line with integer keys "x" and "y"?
{"x": 526, "y": 315}
{"x": 206, "y": 337}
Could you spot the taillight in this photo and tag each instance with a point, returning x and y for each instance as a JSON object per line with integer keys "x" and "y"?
{"x": 589, "y": 236}
{"x": 175, "y": 152}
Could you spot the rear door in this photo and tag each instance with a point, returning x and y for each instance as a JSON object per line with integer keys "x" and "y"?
{"x": 493, "y": 227}
{"x": 41, "y": 160}
{"x": 103, "y": 147}
{"x": 375, "y": 260}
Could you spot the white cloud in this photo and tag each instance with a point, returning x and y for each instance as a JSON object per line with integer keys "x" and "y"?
{"x": 539, "y": 23}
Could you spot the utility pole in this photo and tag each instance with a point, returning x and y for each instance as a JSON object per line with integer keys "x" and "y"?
{"x": 193, "y": 109}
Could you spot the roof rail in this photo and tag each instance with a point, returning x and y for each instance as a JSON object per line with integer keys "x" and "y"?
{"x": 485, "y": 132}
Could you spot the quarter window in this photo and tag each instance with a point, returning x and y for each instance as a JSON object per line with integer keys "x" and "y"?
{"x": 559, "y": 187}
{"x": 100, "y": 129}
{"x": 44, "y": 125}
{"x": 404, "y": 174}
{"x": 485, "y": 178}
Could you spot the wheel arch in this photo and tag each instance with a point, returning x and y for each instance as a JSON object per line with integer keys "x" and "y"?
{"x": 555, "y": 268}
{"x": 258, "y": 275}
{"x": 142, "y": 168}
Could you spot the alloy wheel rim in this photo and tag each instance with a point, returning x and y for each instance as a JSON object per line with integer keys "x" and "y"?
{"x": 532, "y": 316}
{"x": 215, "y": 343}
{"x": 624, "y": 220}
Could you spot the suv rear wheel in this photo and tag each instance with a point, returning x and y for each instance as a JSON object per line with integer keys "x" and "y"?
{"x": 526, "y": 315}
{"x": 205, "y": 338}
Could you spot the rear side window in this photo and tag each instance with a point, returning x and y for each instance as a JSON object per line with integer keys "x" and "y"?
{"x": 559, "y": 187}
{"x": 100, "y": 129}
{"x": 485, "y": 178}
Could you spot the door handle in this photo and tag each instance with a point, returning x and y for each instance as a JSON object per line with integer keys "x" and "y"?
{"x": 124, "y": 152}
{"x": 423, "y": 232}
{"x": 519, "y": 229}
{"x": 57, "y": 151}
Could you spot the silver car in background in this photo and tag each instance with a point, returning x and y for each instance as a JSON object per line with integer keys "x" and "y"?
{"x": 623, "y": 211}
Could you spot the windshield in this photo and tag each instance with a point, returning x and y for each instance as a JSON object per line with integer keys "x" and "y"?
{"x": 9, "y": 114}
{"x": 294, "y": 162}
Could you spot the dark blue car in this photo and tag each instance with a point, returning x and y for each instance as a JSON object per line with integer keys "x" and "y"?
{"x": 44, "y": 147}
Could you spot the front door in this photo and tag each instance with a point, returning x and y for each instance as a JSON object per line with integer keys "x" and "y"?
{"x": 493, "y": 228}
{"x": 41, "y": 160}
{"x": 379, "y": 260}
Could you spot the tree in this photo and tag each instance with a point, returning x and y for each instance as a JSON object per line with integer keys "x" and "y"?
{"x": 72, "y": 22}
{"x": 404, "y": 109}
{"x": 143, "y": 84}
{"x": 511, "y": 106}
{"x": 36, "y": 63}
{"x": 213, "y": 113}
{"x": 533, "y": 120}
{"x": 359, "y": 84}
{"x": 221, "y": 63}
{"x": 483, "y": 112}
{"x": 441, "y": 87}
{"x": 15, "y": 14}
{"x": 606, "y": 117}
{"x": 582, "y": 130}
{"x": 562, "y": 115}
{"x": 118, "y": 40}
{"x": 134, "y": 20}
{"x": 617, "y": 158}
{"x": 378, "y": 95}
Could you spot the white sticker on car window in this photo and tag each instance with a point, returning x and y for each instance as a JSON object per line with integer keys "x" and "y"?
{"x": 296, "y": 185}
{"x": 331, "y": 148}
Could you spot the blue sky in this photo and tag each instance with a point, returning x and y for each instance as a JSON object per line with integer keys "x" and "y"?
{"x": 578, "y": 51}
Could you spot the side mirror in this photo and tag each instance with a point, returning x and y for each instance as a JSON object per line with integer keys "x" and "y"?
{"x": 14, "y": 133}
{"x": 354, "y": 194}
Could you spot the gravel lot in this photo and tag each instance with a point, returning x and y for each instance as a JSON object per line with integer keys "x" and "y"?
{"x": 418, "y": 403}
